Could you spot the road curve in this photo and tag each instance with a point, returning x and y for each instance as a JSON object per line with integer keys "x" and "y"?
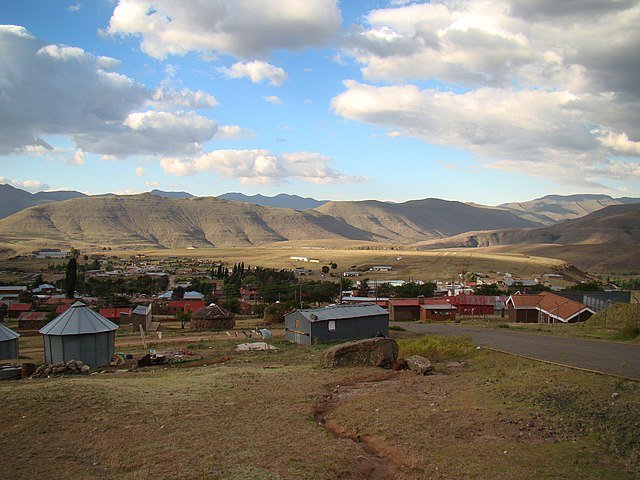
{"x": 606, "y": 357}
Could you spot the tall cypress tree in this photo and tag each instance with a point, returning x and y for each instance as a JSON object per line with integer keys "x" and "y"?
{"x": 71, "y": 277}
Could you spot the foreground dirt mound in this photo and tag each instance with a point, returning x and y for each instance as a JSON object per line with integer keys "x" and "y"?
{"x": 379, "y": 352}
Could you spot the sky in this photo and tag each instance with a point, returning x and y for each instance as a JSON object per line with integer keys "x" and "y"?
{"x": 477, "y": 101}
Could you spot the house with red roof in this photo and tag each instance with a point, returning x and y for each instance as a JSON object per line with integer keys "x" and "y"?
{"x": 15, "y": 309}
{"x": 546, "y": 308}
{"x": 114, "y": 314}
{"x": 32, "y": 320}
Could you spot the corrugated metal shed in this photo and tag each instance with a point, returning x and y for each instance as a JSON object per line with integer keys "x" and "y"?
{"x": 78, "y": 320}
{"x": 336, "y": 323}
{"x": 337, "y": 312}
{"x": 8, "y": 343}
{"x": 79, "y": 334}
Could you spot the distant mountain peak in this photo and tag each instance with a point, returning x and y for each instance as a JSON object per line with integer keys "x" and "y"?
{"x": 162, "y": 193}
{"x": 282, "y": 200}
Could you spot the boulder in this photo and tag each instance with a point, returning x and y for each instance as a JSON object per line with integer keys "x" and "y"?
{"x": 419, "y": 364}
{"x": 379, "y": 352}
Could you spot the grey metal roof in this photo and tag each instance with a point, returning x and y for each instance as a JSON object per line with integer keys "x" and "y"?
{"x": 7, "y": 334}
{"x": 441, "y": 306}
{"x": 338, "y": 312}
{"x": 78, "y": 320}
{"x": 141, "y": 310}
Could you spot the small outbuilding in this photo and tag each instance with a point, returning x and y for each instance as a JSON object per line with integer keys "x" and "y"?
{"x": 8, "y": 343}
{"x": 336, "y": 323}
{"x": 437, "y": 311}
{"x": 80, "y": 333}
{"x": 213, "y": 317}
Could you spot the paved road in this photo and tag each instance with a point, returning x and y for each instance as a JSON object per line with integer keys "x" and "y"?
{"x": 607, "y": 357}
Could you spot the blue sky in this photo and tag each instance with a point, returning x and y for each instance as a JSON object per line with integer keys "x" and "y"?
{"x": 393, "y": 100}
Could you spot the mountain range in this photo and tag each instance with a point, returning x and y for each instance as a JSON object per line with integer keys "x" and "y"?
{"x": 606, "y": 238}
{"x": 544, "y": 211}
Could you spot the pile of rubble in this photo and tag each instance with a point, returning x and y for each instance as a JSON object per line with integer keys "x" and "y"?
{"x": 62, "y": 368}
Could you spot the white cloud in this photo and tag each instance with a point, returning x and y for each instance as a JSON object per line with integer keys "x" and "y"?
{"x": 75, "y": 7}
{"x": 152, "y": 184}
{"x": 229, "y": 132}
{"x": 53, "y": 89}
{"x": 151, "y": 132}
{"x": 260, "y": 166}
{"x": 620, "y": 144}
{"x": 242, "y": 28}
{"x": 522, "y": 129}
{"x": 166, "y": 97}
{"x": 78, "y": 157}
{"x": 28, "y": 185}
{"x": 524, "y": 85}
{"x": 50, "y": 90}
{"x": 273, "y": 99}
{"x": 503, "y": 42}
{"x": 139, "y": 171}
{"x": 257, "y": 71}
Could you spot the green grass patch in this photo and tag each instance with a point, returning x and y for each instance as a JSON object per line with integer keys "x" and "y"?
{"x": 397, "y": 328}
{"x": 437, "y": 348}
{"x": 619, "y": 317}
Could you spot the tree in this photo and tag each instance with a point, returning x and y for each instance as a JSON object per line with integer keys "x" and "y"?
{"x": 593, "y": 286}
{"x": 488, "y": 289}
{"x": 334, "y": 265}
{"x": 71, "y": 277}
{"x": 384, "y": 290}
{"x": 184, "y": 318}
{"x": 413, "y": 290}
{"x": 363, "y": 288}
{"x": 325, "y": 269}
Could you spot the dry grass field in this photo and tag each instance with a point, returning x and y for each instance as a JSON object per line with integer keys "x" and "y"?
{"x": 407, "y": 264}
{"x": 280, "y": 415}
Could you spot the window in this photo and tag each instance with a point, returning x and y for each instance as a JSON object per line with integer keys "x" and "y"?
{"x": 332, "y": 325}
{"x": 298, "y": 323}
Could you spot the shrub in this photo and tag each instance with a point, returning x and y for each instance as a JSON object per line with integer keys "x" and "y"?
{"x": 437, "y": 348}
{"x": 397, "y": 328}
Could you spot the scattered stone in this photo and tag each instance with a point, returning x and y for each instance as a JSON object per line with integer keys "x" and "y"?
{"x": 72, "y": 367}
{"x": 399, "y": 364}
{"x": 419, "y": 364}
{"x": 455, "y": 365}
{"x": 379, "y": 352}
{"x": 615, "y": 395}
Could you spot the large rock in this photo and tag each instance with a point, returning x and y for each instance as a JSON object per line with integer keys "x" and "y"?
{"x": 419, "y": 364}
{"x": 380, "y": 352}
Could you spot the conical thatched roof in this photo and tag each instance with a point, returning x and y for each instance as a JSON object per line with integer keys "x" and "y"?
{"x": 212, "y": 312}
{"x": 78, "y": 320}
{"x": 7, "y": 334}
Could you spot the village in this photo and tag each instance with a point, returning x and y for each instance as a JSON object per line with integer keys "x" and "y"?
{"x": 150, "y": 297}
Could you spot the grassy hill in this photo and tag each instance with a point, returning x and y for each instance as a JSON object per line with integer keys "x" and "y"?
{"x": 419, "y": 220}
{"x": 605, "y": 240}
{"x": 557, "y": 208}
{"x": 153, "y": 221}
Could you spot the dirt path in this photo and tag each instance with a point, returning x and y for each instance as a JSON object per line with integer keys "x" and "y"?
{"x": 376, "y": 464}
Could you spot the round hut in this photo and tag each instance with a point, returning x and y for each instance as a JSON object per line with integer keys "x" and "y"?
{"x": 8, "y": 343}
{"x": 212, "y": 317}
{"x": 79, "y": 334}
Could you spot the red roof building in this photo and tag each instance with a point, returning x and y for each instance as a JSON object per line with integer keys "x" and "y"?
{"x": 184, "y": 306}
{"x": 15, "y": 309}
{"x": 115, "y": 313}
{"x": 546, "y": 308}
{"x": 32, "y": 320}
